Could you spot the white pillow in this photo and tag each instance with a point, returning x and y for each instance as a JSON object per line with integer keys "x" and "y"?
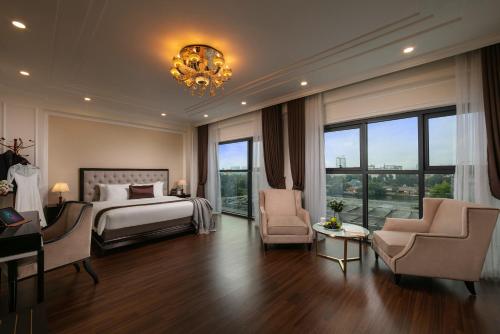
{"x": 157, "y": 187}
{"x": 114, "y": 192}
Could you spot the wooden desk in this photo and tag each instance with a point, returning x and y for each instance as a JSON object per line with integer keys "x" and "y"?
{"x": 21, "y": 242}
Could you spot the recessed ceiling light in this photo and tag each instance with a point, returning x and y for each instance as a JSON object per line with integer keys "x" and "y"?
{"x": 87, "y": 99}
{"x": 244, "y": 103}
{"x": 205, "y": 115}
{"x": 19, "y": 24}
{"x": 25, "y": 73}
{"x": 163, "y": 114}
{"x": 408, "y": 49}
{"x": 303, "y": 83}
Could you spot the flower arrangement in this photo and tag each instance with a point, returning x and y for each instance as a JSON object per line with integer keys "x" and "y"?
{"x": 334, "y": 222}
{"x": 5, "y": 187}
{"x": 336, "y": 206}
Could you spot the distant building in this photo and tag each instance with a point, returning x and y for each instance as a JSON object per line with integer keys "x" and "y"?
{"x": 393, "y": 167}
{"x": 341, "y": 162}
{"x": 384, "y": 167}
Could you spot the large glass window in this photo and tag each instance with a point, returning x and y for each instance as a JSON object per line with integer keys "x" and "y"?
{"x": 342, "y": 149}
{"x": 349, "y": 188}
{"x": 235, "y": 170}
{"x": 393, "y": 145}
{"x": 383, "y": 168}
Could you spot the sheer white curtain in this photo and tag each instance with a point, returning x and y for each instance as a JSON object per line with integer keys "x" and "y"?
{"x": 212, "y": 190}
{"x": 471, "y": 177}
{"x": 259, "y": 179}
{"x": 315, "y": 173}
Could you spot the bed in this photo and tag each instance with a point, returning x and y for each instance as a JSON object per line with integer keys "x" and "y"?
{"x": 118, "y": 223}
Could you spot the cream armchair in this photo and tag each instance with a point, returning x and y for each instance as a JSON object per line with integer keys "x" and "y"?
{"x": 450, "y": 241}
{"x": 66, "y": 242}
{"x": 282, "y": 218}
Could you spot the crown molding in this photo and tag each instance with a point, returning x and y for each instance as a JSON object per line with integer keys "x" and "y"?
{"x": 422, "y": 59}
{"x": 29, "y": 99}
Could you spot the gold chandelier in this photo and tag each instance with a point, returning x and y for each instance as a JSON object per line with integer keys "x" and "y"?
{"x": 200, "y": 68}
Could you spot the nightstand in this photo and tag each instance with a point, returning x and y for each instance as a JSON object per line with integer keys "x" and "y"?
{"x": 51, "y": 212}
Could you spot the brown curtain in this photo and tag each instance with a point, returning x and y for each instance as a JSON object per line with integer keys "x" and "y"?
{"x": 272, "y": 138}
{"x": 491, "y": 90}
{"x": 297, "y": 141}
{"x": 202, "y": 160}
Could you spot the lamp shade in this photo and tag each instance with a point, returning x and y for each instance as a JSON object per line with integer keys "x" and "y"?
{"x": 60, "y": 187}
{"x": 181, "y": 182}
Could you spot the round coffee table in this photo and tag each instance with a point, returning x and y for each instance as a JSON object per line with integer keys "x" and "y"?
{"x": 348, "y": 232}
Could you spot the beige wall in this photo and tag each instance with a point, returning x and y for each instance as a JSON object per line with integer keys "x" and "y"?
{"x": 76, "y": 143}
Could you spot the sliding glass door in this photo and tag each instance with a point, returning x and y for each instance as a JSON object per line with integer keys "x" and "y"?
{"x": 383, "y": 167}
{"x": 235, "y": 168}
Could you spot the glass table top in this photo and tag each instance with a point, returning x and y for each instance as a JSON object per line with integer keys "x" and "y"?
{"x": 347, "y": 231}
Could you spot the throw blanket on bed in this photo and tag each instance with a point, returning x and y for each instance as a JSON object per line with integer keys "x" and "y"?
{"x": 203, "y": 219}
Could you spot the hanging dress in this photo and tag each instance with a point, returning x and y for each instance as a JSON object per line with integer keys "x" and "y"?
{"x": 28, "y": 195}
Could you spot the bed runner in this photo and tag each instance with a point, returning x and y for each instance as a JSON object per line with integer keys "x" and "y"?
{"x": 103, "y": 211}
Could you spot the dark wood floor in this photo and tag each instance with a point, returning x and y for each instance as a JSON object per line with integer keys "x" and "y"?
{"x": 225, "y": 283}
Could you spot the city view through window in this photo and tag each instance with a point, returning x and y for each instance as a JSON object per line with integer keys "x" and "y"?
{"x": 235, "y": 176}
{"x": 390, "y": 176}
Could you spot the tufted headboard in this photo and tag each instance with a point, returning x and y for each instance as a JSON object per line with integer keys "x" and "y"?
{"x": 91, "y": 177}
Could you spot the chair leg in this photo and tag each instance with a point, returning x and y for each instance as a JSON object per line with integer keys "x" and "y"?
{"x": 90, "y": 271}
{"x": 77, "y": 267}
{"x": 265, "y": 247}
{"x": 309, "y": 246}
{"x": 376, "y": 257}
{"x": 397, "y": 278}
{"x": 470, "y": 287}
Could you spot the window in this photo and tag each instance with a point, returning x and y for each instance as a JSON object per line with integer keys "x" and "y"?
{"x": 235, "y": 170}
{"x": 342, "y": 148}
{"x": 384, "y": 167}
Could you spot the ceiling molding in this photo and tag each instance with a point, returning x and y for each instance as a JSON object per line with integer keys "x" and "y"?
{"x": 331, "y": 61}
{"x": 395, "y": 26}
{"x": 422, "y": 59}
{"x": 30, "y": 99}
{"x": 112, "y": 121}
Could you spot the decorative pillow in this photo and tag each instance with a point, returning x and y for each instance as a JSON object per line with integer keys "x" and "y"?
{"x": 113, "y": 192}
{"x": 137, "y": 192}
{"x": 157, "y": 187}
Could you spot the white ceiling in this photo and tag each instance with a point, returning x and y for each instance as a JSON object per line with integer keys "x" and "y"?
{"x": 119, "y": 51}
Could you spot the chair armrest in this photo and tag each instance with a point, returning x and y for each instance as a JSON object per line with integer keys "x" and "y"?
{"x": 72, "y": 246}
{"x": 304, "y": 215}
{"x": 439, "y": 255}
{"x": 404, "y": 225}
{"x": 263, "y": 221}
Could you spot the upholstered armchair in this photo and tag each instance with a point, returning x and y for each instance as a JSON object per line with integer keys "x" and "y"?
{"x": 450, "y": 241}
{"x": 282, "y": 218}
{"x": 65, "y": 242}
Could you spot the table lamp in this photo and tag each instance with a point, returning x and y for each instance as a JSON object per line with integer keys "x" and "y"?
{"x": 180, "y": 185}
{"x": 60, "y": 187}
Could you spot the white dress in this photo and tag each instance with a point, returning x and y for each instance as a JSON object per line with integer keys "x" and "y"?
{"x": 28, "y": 194}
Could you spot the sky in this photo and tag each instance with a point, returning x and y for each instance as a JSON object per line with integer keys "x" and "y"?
{"x": 394, "y": 143}
{"x": 233, "y": 156}
{"x": 390, "y": 142}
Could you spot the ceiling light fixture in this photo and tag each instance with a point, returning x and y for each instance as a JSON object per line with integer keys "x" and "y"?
{"x": 19, "y": 24}
{"x": 25, "y": 73}
{"x": 205, "y": 115}
{"x": 303, "y": 83}
{"x": 88, "y": 99}
{"x": 163, "y": 114}
{"x": 243, "y": 103}
{"x": 408, "y": 49}
{"x": 200, "y": 68}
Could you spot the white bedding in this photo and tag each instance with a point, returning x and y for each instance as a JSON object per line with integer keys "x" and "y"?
{"x": 139, "y": 215}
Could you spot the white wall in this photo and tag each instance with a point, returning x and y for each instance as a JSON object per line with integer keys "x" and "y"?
{"x": 27, "y": 119}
